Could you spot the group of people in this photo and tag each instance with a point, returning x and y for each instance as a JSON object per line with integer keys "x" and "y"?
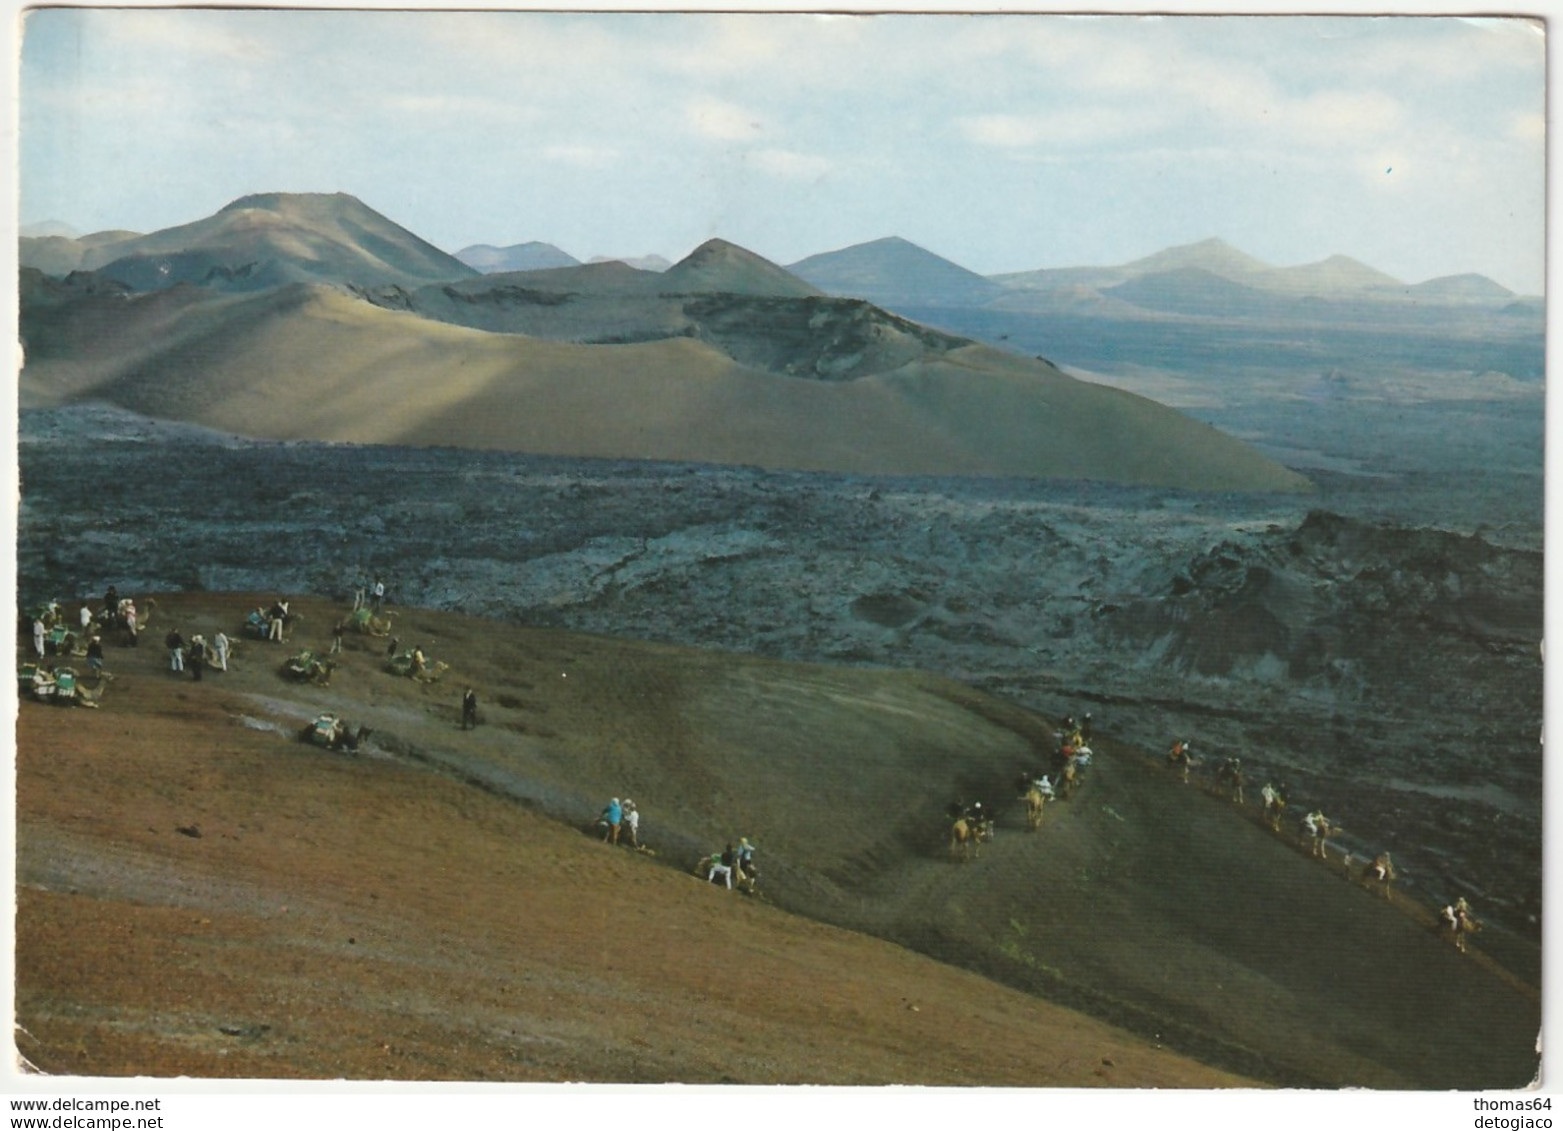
{"x": 621, "y": 817}
{"x": 269, "y": 623}
{"x": 1316, "y": 828}
{"x": 198, "y": 655}
{"x": 734, "y": 867}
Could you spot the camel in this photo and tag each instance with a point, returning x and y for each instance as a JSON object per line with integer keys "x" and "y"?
{"x": 1036, "y": 801}
{"x": 742, "y": 881}
{"x": 1318, "y": 827}
{"x": 1230, "y": 774}
{"x": 1381, "y": 871}
{"x": 414, "y": 664}
{"x": 966, "y": 836}
{"x": 334, "y": 733}
{"x": 308, "y": 665}
{"x": 1274, "y": 807}
{"x": 1457, "y": 921}
{"x": 363, "y": 620}
{"x": 1068, "y": 780}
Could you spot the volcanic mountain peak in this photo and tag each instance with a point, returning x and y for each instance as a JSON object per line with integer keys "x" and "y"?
{"x": 533, "y": 255}
{"x": 265, "y": 238}
{"x": 718, "y": 266}
{"x": 1214, "y": 255}
{"x": 1335, "y": 274}
{"x": 894, "y": 271}
{"x": 1461, "y": 288}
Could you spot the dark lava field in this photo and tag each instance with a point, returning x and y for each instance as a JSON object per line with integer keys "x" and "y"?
{"x": 1375, "y": 655}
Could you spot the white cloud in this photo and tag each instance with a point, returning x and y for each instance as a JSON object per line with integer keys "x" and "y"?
{"x": 787, "y": 164}
{"x": 1065, "y": 126}
{"x": 581, "y": 156}
{"x": 721, "y": 121}
{"x": 1530, "y": 129}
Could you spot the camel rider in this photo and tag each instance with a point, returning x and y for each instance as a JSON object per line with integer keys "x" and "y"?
{"x": 1044, "y": 787}
{"x": 955, "y": 810}
{"x": 1318, "y": 826}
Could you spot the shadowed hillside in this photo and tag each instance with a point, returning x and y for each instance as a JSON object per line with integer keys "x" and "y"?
{"x": 313, "y": 363}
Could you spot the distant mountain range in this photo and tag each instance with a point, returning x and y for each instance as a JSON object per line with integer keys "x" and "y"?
{"x": 532, "y": 256}
{"x": 314, "y": 317}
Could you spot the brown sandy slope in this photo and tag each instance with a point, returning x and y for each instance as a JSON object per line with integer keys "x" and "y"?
{"x": 307, "y": 362}
{"x": 201, "y": 894}
{"x": 1141, "y": 901}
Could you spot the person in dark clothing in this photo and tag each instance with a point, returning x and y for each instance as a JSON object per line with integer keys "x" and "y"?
{"x": 469, "y": 709}
{"x": 95, "y": 656}
{"x": 197, "y": 656}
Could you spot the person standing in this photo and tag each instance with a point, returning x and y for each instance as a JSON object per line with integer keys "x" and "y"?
{"x": 176, "y": 650}
{"x": 197, "y": 656}
{"x": 95, "y": 656}
{"x": 220, "y": 650}
{"x": 469, "y": 709}
{"x": 632, "y": 822}
{"x": 86, "y": 617}
{"x": 379, "y": 594}
{"x": 38, "y": 631}
{"x": 614, "y": 816}
{"x": 131, "y": 623}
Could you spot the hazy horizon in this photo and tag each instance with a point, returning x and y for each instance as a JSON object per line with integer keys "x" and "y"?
{"x": 1004, "y": 143}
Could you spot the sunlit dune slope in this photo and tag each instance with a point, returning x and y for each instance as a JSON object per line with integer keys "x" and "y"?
{"x": 309, "y": 362}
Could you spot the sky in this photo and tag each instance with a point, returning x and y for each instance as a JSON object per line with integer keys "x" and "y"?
{"x": 1004, "y": 143}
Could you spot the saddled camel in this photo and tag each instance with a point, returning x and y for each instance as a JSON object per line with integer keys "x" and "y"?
{"x": 1036, "y": 802}
{"x": 1380, "y": 871}
{"x": 1456, "y": 921}
{"x": 1317, "y": 826}
{"x": 362, "y": 620}
{"x": 1274, "y": 807}
{"x": 966, "y": 837}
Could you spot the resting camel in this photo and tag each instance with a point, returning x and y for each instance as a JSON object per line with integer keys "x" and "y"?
{"x": 308, "y": 665}
{"x": 1381, "y": 871}
{"x": 363, "y": 621}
